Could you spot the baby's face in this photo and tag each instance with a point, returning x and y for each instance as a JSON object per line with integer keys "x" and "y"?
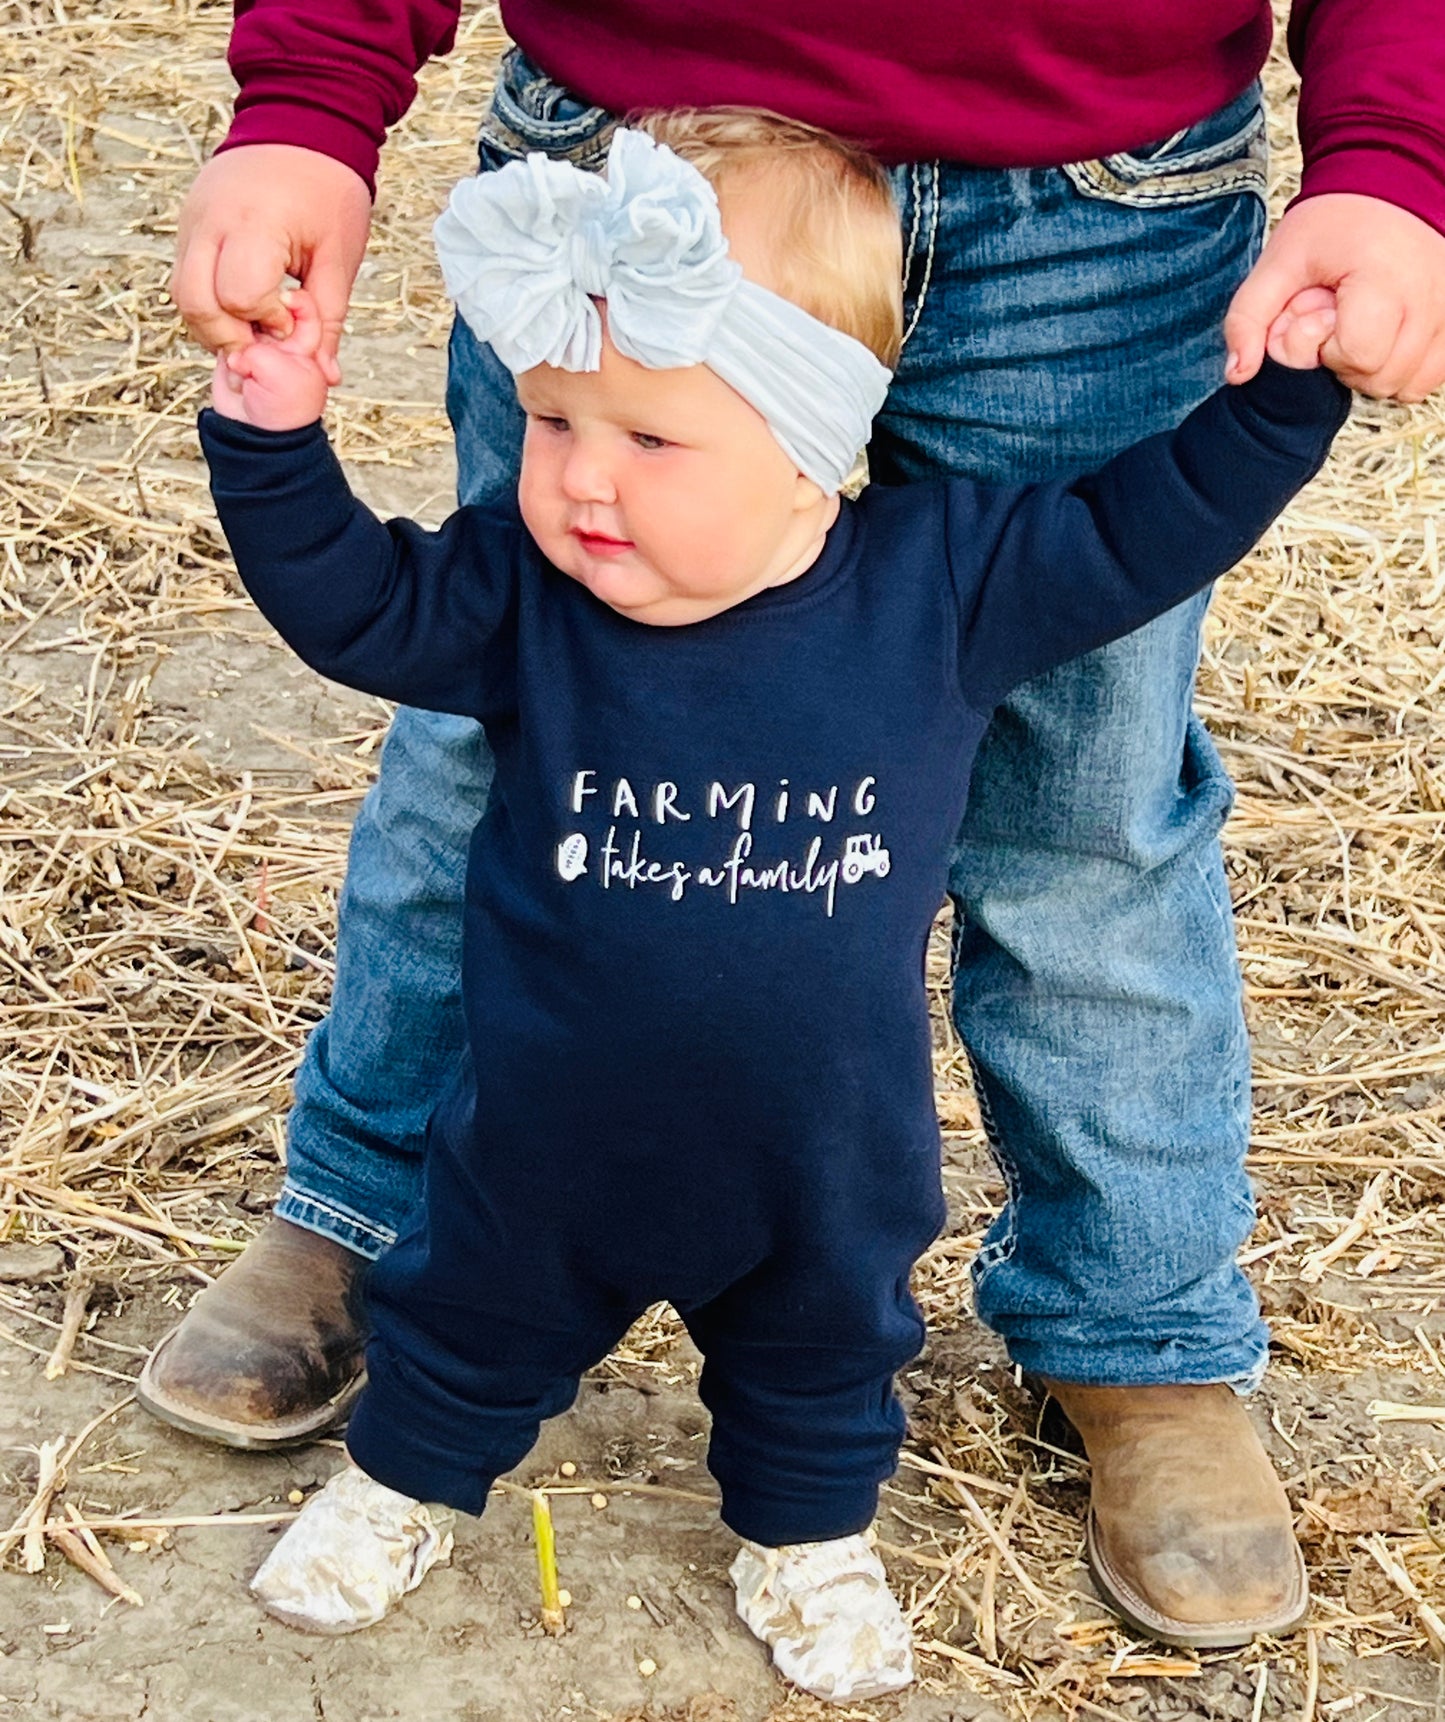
{"x": 663, "y": 492}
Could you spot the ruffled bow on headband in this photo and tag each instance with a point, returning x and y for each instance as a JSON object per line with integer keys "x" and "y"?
{"x": 526, "y": 250}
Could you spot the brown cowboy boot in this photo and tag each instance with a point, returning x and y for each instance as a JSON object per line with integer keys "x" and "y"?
{"x": 271, "y": 1354}
{"x": 1190, "y": 1538}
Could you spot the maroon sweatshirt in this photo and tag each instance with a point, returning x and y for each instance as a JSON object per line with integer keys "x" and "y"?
{"x": 1016, "y": 83}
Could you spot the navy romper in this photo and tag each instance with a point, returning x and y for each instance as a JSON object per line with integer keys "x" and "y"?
{"x": 696, "y": 914}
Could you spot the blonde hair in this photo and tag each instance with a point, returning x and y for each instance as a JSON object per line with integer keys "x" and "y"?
{"x": 837, "y": 248}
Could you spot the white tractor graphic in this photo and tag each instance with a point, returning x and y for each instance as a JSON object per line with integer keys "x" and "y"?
{"x": 862, "y": 855}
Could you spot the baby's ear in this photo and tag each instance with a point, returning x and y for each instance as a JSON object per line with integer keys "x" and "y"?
{"x": 807, "y": 493}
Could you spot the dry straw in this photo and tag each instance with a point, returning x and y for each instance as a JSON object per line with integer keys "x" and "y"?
{"x": 166, "y": 930}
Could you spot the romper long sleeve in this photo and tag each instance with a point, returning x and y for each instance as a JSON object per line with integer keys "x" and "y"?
{"x": 428, "y": 618}
{"x": 1051, "y": 571}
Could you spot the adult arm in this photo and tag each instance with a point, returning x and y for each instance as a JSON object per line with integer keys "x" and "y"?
{"x": 289, "y": 191}
{"x": 1046, "y": 572}
{"x": 1370, "y": 218}
{"x": 424, "y": 618}
{"x": 332, "y": 75}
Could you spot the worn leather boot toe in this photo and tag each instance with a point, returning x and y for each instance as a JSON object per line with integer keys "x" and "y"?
{"x": 271, "y": 1354}
{"x": 1191, "y": 1538}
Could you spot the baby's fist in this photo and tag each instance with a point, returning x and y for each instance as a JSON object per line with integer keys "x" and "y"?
{"x": 1302, "y": 328}
{"x": 275, "y": 383}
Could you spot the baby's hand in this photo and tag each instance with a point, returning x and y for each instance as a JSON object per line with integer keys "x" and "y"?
{"x": 275, "y": 383}
{"x": 1302, "y": 328}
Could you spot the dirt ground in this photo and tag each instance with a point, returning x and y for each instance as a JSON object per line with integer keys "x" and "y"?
{"x": 174, "y": 797}
{"x": 646, "y": 1570}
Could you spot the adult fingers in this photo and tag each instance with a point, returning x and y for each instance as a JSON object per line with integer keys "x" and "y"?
{"x": 1264, "y": 293}
{"x": 224, "y": 287}
{"x": 1371, "y": 316}
{"x": 251, "y": 271}
{"x": 1393, "y": 378}
{"x": 328, "y": 280}
{"x": 193, "y": 293}
{"x": 1431, "y": 373}
{"x": 1416, "y": 366}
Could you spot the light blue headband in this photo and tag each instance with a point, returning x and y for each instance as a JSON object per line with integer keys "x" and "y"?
{"x": 527, "y": 249}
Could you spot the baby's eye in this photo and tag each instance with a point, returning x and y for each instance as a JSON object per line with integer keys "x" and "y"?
{"x": 551, "y": 424}
{"x": 644, "y": 439}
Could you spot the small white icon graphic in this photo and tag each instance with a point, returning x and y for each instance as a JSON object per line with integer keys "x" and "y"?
{"x": 862, "y": 855}
{"x": 572, "y": 856}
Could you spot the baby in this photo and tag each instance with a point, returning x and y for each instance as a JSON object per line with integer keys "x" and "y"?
{"x": 734, "y": 718}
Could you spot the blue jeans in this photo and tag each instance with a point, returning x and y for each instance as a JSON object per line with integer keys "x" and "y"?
{"x": 1054, "y": 316}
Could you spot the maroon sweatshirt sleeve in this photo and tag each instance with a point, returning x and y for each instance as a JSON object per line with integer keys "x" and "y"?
{"x": 1372, "y": 100}
{"x": 332, "y": 75}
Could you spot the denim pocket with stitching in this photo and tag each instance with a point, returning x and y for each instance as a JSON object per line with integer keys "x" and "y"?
{"x": 1221, "y": 155}
{"x": 530, "y": 113}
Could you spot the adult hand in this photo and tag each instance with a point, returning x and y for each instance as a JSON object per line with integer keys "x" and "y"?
{"x": 1387, "y": 268}
{"x": 255, "y": 215}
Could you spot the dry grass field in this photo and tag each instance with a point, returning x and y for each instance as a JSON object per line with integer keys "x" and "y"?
{"x": 174, "y": 798}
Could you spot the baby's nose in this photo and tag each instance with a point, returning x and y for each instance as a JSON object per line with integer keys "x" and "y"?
{"x": 587, "y": 476}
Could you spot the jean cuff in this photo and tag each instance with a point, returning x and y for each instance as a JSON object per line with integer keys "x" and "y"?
{"x": 1242, "y": 1368}
{"x": 327, "y": 1219}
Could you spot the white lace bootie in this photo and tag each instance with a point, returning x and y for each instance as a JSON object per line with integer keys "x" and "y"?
{"x": 827, "y": 1614}
{"x": 355, "y": 1550}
